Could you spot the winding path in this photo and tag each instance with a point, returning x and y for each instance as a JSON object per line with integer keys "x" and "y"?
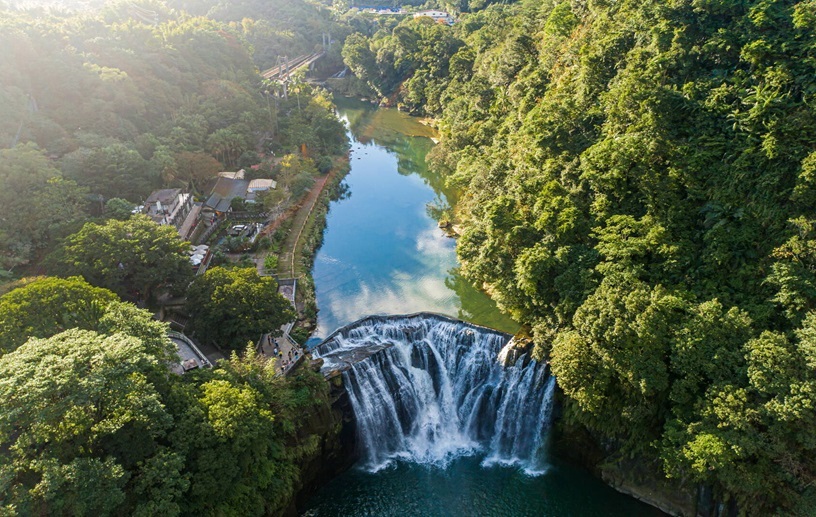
{"x": 286, "y": 264}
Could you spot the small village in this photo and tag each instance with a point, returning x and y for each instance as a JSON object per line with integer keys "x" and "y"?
{"x": 436, "y": 15}
{"x": 232, "y": 225}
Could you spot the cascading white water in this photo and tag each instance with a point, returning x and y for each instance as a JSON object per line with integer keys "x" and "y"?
{"x": 425, "y": 388}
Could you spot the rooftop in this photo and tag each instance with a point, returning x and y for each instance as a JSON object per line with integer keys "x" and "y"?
{"x": 262, "y": 184}
{"x": 224, "y": 191}
{"x": 239, "y": 175}
{"x": 164, "y": 196}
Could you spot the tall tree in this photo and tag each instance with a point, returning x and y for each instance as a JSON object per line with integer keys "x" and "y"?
{"x": 195, "y": 169}
{"x": 46, "y": 306}
{"x": 231, "y": 307}
{"x": 36, "y": 203}
{"x": 132, "y": 258}
{"x": 80, "y": 424}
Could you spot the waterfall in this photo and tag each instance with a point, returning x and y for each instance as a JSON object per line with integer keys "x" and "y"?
{"x": 427, "y": 389}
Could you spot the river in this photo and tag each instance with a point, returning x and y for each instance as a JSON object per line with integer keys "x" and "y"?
{"x": 383, "y": 253}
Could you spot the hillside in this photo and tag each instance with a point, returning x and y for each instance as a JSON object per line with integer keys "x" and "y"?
{"x": 637, "y": 187}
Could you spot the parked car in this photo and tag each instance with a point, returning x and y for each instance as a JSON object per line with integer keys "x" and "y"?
{"x": 237, "y": 230}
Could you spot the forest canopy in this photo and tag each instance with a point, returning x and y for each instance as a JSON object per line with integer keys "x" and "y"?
{"x": 111, "y": 102}
{"x": 637, "y": 187}
{"x": 100, "y": 104}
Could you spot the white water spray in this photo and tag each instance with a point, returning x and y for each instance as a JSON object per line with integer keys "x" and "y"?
{"x": 428, "y": 389}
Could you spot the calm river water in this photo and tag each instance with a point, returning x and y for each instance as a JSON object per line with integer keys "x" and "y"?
{"x": 383, "y": 253}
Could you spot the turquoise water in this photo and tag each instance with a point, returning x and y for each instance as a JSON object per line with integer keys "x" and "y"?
{"x": 383, "y": 253}
{"x": 466, "y": 489}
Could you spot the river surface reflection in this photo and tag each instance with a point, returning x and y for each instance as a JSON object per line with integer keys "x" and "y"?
{"x": 383, "y": 252}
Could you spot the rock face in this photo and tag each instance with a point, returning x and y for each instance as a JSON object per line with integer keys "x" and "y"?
{"x": 635, "y": 477}
{"x": 333, "y": 424}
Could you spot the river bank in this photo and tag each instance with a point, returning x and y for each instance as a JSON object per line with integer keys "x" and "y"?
{"x": 302, "y": 242}
{"x": 383, "y": 253}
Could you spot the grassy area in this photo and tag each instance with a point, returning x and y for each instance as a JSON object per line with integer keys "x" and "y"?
{"x": 305, "y": 236}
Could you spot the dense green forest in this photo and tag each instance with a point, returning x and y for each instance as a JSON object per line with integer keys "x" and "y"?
{"x": 92, "y": 422}
{"x": 101, "y": 103}
{"x": 114, "y": 103}
{"x": 637, "y": 187}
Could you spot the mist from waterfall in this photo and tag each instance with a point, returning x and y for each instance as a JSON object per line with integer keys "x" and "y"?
{"x": 428, "y": 389}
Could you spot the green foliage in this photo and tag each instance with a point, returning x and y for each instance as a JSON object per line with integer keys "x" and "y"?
{"x": 300, "y": 334}
{"x": 143, "y": 105}
{"x": 271, "y": 262}
{"x": 118, "y": 208}
{"x": 239, "y": 430}
{"x": 192, "y": 169}
{"x": 94, "y": 424}
{"x": 79, "y": 416}
{"x": 47, "y": 306}
{"x": 112, "y": 170}
{"x": 37, "y": 205}
{"x": 90, "y": 420}
{"x": 414, "y": 58}
{"x": 637, "y": 185}
{"x": 231, "y": 307}
{"x": 132, "y": 258}
{"x": 238, "y": 204}
{"x": 324, "y": 164}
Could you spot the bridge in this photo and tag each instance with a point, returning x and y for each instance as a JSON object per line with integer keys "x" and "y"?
{"x": 283, "y": 70}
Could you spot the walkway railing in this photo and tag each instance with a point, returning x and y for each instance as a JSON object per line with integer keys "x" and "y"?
{"x": 181, "y": 337}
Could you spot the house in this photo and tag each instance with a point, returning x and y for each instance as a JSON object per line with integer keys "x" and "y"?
{"x": 259, "y": 185}
{"x": 228, "y": 188}
{"x": 384, "y": 10}
{"x": 437, "y": 16}
{"x": 169, "y": 206}
{"x": 239, "y": 175}
{"x": 224, "y": 191}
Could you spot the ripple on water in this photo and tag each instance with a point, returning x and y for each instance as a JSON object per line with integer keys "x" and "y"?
{"x": 466, "y": 488}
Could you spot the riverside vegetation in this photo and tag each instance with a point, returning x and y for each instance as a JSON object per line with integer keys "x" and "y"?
{"x": 637, "y": 187}
{"x": 99, "y": 107}
{"x": 92, "y": 423}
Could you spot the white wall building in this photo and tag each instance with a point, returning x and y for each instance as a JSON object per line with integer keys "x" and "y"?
{"x": 169, "y": 206}
{"x": 437, "y": 16}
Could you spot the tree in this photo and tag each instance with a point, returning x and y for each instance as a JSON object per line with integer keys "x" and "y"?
{"x": 359, "y": 58}
{"x": 111, "y": 170}
{"x": 645, "y": 208}
{"x": 324, "y": 164}
{"x": 80, "y": 424}
{"x": 36, "y": 204}
{"x": 614, "y": 363}
{"x": 132, "y": 258}
{"x": 196, "y": 168}
{"x": 46, "y": 306}
{"x": 228, "y": 144}
{"x": 794, "y": 272}
{"x": 118, "y": 208}
{"x": 231, "y": 307}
